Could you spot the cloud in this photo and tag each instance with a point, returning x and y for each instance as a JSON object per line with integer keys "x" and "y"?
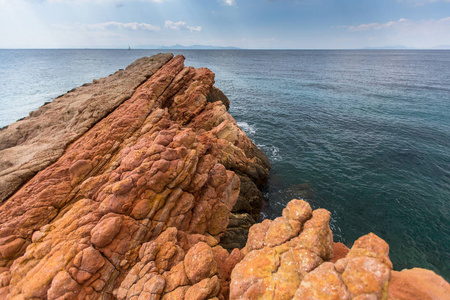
{"x": 180, "y": 25}
{"x": 376, "y": 26}
{"x": 120, "y": 3}
{"x": 228, "y": 2}
{"x": 113, "y": 25}
{"x": 421, "y": 2}
{"x": 412, "y": 33}
{"x": 431, "y": 25}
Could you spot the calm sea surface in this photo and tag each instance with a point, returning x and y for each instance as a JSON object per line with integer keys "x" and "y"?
{"x": 364, "y": 134}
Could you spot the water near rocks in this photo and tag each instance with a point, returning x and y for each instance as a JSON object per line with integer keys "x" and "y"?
{"x": 364, "y": 134}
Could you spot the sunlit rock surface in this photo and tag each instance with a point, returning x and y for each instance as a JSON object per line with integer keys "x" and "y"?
{"x": 166, "y": 158}
{"x": 30, "y": 145}
{"x": 142, "y": 186}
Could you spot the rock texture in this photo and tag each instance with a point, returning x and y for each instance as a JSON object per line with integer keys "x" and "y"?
{"x": 35, "y": 142}
{"x": 288, "y": 258}
{"x": 165, "y": 159}
{"x": 415, "y": 284}
{"x": 150, "y": 193}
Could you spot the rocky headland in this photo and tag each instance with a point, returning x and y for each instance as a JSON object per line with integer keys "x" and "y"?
{"x": 141, "y": 185}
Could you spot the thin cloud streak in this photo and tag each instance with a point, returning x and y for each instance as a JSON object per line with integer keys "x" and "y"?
{"x": 402, "y": 23}
{"x": 421, "y": 2}
{"x": 117, "y": 25}
{"x": 376, "y": 26}
{"x": 95, "y": 1}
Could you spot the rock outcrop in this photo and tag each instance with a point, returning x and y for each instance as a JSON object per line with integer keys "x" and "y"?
{"x": 288, "y": 258}
{"x": 150, "y": 193}
{"x": 415, "y": 284}
{"x": 167, "y": 157}
{"x": 32, "y": 144}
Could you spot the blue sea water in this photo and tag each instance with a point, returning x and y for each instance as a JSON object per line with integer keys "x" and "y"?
{"x": 364, "y": 134}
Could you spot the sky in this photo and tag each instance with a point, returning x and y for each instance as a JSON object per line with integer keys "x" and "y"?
{"x": 250, "y": 24}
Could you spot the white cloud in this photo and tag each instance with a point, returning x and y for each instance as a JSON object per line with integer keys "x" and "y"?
{"x": 431, "y": 25}
{"x": 376, "y": 26}
{"x": 410, "y": 33}
{"x": 121, "y": 2}
{"x": 228, "y": 2}
{"x": 421, "y": 2}
{"x": 117, "y": 25}
{"x": 117, "y": 3}
{"x": 180, "y": 25}
{"x": 111, "y": 26}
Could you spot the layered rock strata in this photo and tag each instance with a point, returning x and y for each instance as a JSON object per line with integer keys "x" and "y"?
{"x": 151, "y": 198}
{"x": 166, "y": 158}
{"x": 33, "y": 143}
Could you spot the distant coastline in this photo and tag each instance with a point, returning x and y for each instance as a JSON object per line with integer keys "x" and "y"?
{"x": 212, "y": 47}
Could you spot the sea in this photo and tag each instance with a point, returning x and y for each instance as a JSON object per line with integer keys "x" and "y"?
{"x": 364, "y": 134}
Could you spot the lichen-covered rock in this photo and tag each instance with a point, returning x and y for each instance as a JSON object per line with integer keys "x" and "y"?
{"x": 280, "y": 253}
{"x": 289, "y": 258}
{"x": 122, "y": 206}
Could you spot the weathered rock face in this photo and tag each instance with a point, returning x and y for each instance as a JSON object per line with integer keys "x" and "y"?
{"x": 294, "y": 257}
{"x": 161, "y": 167}
{"x": 150, "y": 193}
{"x": 30, "y": 145}
{"x": 288, "y": 258}
{"x": 415, "y": 284}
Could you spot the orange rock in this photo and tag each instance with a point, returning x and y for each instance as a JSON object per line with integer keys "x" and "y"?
{"x": 205, "y": 289}
{"x": 199, "y": 263}
{"x": 151, "y": 170}
{"x": 33, "y": 143}
{"x": 339, "y": 251}
{"x": 135, "y": 206}
{"x": 280, "y": 253}
{"x": 418, "y": 284}
{"x": 323, "y": 283}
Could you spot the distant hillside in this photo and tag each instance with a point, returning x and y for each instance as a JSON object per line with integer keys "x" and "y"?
{"x": 388, "y": 48}
{"x": 442, "y": 47}
{"x": 439, "y": 47}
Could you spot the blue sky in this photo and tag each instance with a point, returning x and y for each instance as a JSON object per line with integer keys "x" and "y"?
{"x": 286, "y": 24}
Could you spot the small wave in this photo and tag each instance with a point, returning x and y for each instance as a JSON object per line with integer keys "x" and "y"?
{"x": 273, "y": 152}
{"x": 248, "y": 129}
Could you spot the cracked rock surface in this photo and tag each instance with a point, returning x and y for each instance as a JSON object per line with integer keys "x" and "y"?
{"x": 33, "y": 143}
{"x": 151, "y": 191}
{"x": 289, "y": 258}
{"x": 163, "y": 161}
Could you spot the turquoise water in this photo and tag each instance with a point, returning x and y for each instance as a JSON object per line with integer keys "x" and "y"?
{"x": 364, "y": 134}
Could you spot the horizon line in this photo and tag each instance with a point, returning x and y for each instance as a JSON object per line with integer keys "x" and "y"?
{"x": 220, "y": 48}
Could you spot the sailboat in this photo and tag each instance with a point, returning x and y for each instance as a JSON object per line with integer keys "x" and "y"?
{"x": 129, "y": 48}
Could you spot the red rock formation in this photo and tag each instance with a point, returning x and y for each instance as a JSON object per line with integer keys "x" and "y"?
{"x": 415, "y": 284}
{"x": 161, "y": 160}
{"x": 138, "y": 205}
{"x": 33, "y": 143}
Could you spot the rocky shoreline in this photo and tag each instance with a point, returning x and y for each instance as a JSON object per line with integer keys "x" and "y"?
{"x": 142, "y": 186}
